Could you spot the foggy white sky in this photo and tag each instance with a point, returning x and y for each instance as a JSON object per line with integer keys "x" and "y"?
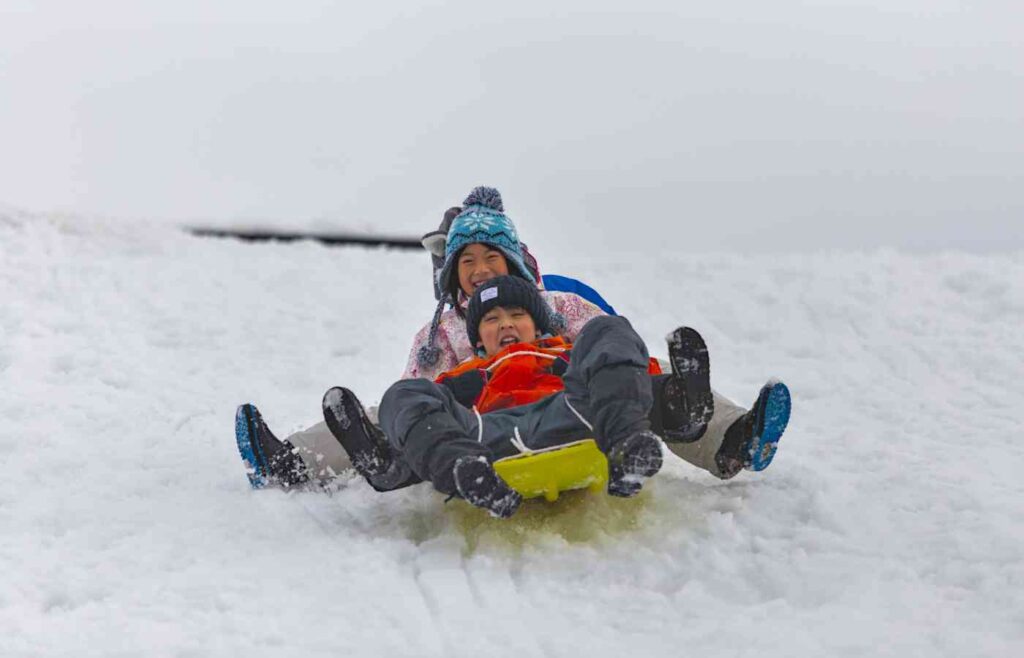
{"x": 761, "y": 125}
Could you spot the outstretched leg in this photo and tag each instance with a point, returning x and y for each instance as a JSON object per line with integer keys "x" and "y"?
{"x": 737, "y": 438}
{"x": 441, "y": 441}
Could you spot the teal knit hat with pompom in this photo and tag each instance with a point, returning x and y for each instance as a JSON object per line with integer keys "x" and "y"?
{"x": 482, "y": 220}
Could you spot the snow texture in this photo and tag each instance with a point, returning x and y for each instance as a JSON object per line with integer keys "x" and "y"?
{"x": 890, "y": 523}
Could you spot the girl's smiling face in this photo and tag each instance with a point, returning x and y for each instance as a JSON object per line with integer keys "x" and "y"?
{"x": 501, "y": 327}
{"x": 479, "y": 263}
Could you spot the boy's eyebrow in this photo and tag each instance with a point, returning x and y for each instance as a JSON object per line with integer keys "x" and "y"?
{"x": 507, "y": 308}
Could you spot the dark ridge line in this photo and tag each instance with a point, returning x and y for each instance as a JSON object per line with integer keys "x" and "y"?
{"x": 329, "y": 239}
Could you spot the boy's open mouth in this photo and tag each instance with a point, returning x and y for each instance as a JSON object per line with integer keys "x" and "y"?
{"x": 508, "y": 340}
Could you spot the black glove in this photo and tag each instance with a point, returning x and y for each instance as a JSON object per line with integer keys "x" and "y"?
{"x": 467, "y": 387}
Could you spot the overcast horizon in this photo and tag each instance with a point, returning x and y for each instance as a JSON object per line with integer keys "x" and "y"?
{"x": 798, "y": 125}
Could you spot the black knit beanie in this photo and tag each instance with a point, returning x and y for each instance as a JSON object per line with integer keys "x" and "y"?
{"x": 508, "y": 292}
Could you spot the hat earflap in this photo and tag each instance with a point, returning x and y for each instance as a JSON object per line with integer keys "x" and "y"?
{"x": 429, "y": 354}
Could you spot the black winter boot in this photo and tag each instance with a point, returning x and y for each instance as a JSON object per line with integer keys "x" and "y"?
{"x": 365, "y": 444}
{"x": 479, "y": 485}
{"x": 752, "y": 439}
{"x": 269, "y": 461}
{"x": 631, "y": 461}
{"x": 688, "y": 402}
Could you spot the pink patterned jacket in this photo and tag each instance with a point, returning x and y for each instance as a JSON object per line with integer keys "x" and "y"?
{"x": 453, "y": 341}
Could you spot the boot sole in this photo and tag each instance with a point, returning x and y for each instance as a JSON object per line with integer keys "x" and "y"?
{"x": 470, "y": 475}
{"x": 643, "y": 461}
{"x": 249, "y": 448}
{"x": 774, "y": 406}
{"x": 693, "y": 372}
{"x": 341, "y": 409}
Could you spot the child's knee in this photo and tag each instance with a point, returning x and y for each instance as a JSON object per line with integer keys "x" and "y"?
{"x": 406, "y": 401}
{"x": 609, "y": 340}
{"x": 405, "y": 389}
{"x": 604, "y": 327}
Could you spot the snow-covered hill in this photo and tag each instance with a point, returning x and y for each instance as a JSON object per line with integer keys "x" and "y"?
{"x": 891, "y": 523}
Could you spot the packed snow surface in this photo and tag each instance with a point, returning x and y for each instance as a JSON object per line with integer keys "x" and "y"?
{"x": 890, "y": 524}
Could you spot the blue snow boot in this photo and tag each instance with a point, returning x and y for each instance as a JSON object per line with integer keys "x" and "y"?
{"x": 688, "y": 403}
{"x": 479, "y": 485}
{"x": 631, "y": 461}
{"x": 268, "y": 461}
{"x": 752, "y": 439}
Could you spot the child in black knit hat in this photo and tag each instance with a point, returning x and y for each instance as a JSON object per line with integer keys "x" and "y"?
{"x": 506, "y": 296}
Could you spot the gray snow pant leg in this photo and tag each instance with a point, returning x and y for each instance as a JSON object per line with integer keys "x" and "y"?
{"x": 607, "y": 381}
{"x": 701, "y": 453}
{"x": 429, "y": 430}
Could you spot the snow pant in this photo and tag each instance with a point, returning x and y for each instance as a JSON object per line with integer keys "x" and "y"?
{"x": 607, "y": 397}
{"x": 325, "y": 457}
{"x": 700, "y": 453}
{"x": 320, "y": 451}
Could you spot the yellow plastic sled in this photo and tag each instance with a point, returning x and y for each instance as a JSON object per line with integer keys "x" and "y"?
{"x": 550, "y": 471}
